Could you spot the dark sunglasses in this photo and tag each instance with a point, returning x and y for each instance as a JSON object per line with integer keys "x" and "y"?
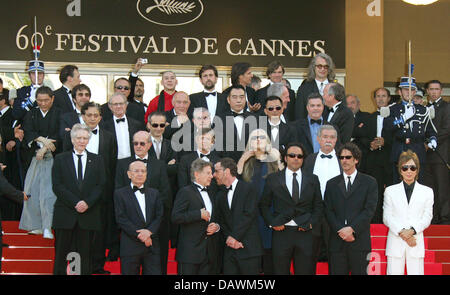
{"x": 256, "y": 137}
{"x": 155, "y": 125}
{"x": 345, "y": 157}
{"x": 298, "y": 156}
{"x": 274, "y": 108}
{"x": 410, "y": 167}
{"x": 122, "y": 87}
{"x": 139, "y": 143}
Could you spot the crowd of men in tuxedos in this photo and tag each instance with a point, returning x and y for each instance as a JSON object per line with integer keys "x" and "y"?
{"x": 131, "y": 180}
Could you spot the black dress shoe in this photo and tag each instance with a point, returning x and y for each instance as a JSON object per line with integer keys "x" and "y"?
{"x": 101, "y": 272}
{"x": 111, "y": 258}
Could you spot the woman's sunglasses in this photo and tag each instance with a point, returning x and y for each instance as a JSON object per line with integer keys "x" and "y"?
{"x": 410, "y": 167}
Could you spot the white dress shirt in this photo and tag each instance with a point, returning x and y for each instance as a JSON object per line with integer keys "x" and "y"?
{"x": 321, "y": 85}
{"x": 239, "y": 123}
{"x": 211, "y": 102}
{"x": 231, "y": 192}
{"x": 206, "y": 199}
{"x": 379, "y": 125}
{"x": 325, "y": 169}
{"x": 94, "y": 142}
{"x": 274, "y": 129}
{"x": 352, "y": 177}
{"x": 140, "y": 197}
{"x": 83, "y": 162}
{"x": 289, "y": 184}
{"x": 123, "y": 138}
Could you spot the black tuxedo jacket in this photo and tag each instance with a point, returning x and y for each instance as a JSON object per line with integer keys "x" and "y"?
{"x": 343, "y": 121}
{"x": 235, "y": 149}
{"x": 129, "y": 218}
{"x": 198, "y": 100}
{"x": 307, "y": 212}
{"x": 68, "y": 192}
{"x": 136, "y": 110}
{"x": 133, "y": 127}
{"x": 241, "y": 221}
{"x": 10, "y": 192}
{"x": 156, "y": 178}
{"x": 6, "y": 127}
{"x": 354, "y": 209}
{"x": 171, "y": 129}
{"x": 377, "y": 157}
{"x": 62, "y": 100}
{"x": 194, "y": 245}
{"x": 67, "y": 120}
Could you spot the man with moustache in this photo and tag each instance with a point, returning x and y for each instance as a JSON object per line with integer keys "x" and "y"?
{"x": 209, "y": 98}
{"x": 325, "y": 165}
{"x": 81, "y": 95}
{"x": 291, "y": 205}
{"x": 136, "y": 107}
{"x": 195, "y": 212}
{"x": 238, "y": 215}
{"x": 350, "y": 203}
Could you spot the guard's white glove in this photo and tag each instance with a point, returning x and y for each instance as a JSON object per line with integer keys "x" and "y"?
{"x": 409, "y": 112}
{"x": 432, "y": 144}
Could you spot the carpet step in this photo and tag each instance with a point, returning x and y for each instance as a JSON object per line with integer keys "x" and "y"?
{"x": 438, "y": 242}
{"x": 379, "y": 268}
{"x": 29, "y": 252}
{"x": 23, "y": 239}
{"x": 24, "y": 266}
{"x": 437, "y": 230}
{"x": 442, "y": 255}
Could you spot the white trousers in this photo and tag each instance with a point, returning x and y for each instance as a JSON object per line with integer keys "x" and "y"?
{"x": 396, "y": 265}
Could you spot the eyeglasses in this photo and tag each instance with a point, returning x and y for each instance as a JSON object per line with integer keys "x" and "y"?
{"x": 274, "y": 108}
{"x": 122, "y": 87}
{"x": 298, "y": 156}
{"x": 139, "y": 171}
{"x": 410, "y": 167}
{"x": 345, "y": 157}
{"x": 161, "y": 125}
{"x": 136, "y": 143}
{"x": 320, "y": 67}
{"x": 256, "y": 137}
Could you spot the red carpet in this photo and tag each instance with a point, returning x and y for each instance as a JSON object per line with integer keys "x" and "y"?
{"x": 30, "y": 254}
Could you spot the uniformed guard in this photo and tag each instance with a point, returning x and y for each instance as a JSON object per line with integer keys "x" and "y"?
{"x": 411, "y": 126}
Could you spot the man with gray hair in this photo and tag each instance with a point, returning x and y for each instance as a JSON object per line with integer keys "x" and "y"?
{"x": 336, "y": 112}
{"x": 78, "y": 182}
{"x": 195, "y": 211}
{"x": 121, "y": 126}
{"x": 320, "y": 73}
{"x": 325, "y": 165}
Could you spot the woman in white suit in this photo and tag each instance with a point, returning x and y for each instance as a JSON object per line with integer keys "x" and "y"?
{"x": 407, "y": 211}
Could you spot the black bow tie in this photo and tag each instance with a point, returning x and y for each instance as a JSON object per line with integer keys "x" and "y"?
{"x": 326, "y": 156}
{"x": 142, "y": 160}
{"x": 210, "y": 93}
{"x": 229, "y": 188}
{"x": 236, "y": 114}
{"x": 204, "y": 189}
{"x": 203, "y": 155}
{"x": 135, "y": 188}
{"x": 120, "y": 120}
{"x": 331, "y": 110}
{"x": 95, "y": 131}
{"x": 319, "y": 121}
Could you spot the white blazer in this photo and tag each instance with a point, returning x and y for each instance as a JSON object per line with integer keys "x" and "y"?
{"x": 398, "y": 215}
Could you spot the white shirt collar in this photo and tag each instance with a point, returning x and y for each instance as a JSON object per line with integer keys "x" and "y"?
{"x": 352, "y": 176}
{"x": 332, "y": 153}
{"x": 234, "y": 184}
{"x": 4, "y": 110}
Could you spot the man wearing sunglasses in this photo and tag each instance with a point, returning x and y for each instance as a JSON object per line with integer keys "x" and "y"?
{"x": 157, "y": 178}
{"x": 296, "y": 213}
{"x": 280, "y": 132}
{"x": 320, "y": 73}
{"x": 350, "y": 203}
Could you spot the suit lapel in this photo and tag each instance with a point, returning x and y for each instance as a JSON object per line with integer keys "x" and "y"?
{"x": 136, "y": 203}
{"x": 282, "y": 179}
{"x": 342, "y": 187}
{"x": 355, "y": 184}
{"x": 198, "y": 195}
